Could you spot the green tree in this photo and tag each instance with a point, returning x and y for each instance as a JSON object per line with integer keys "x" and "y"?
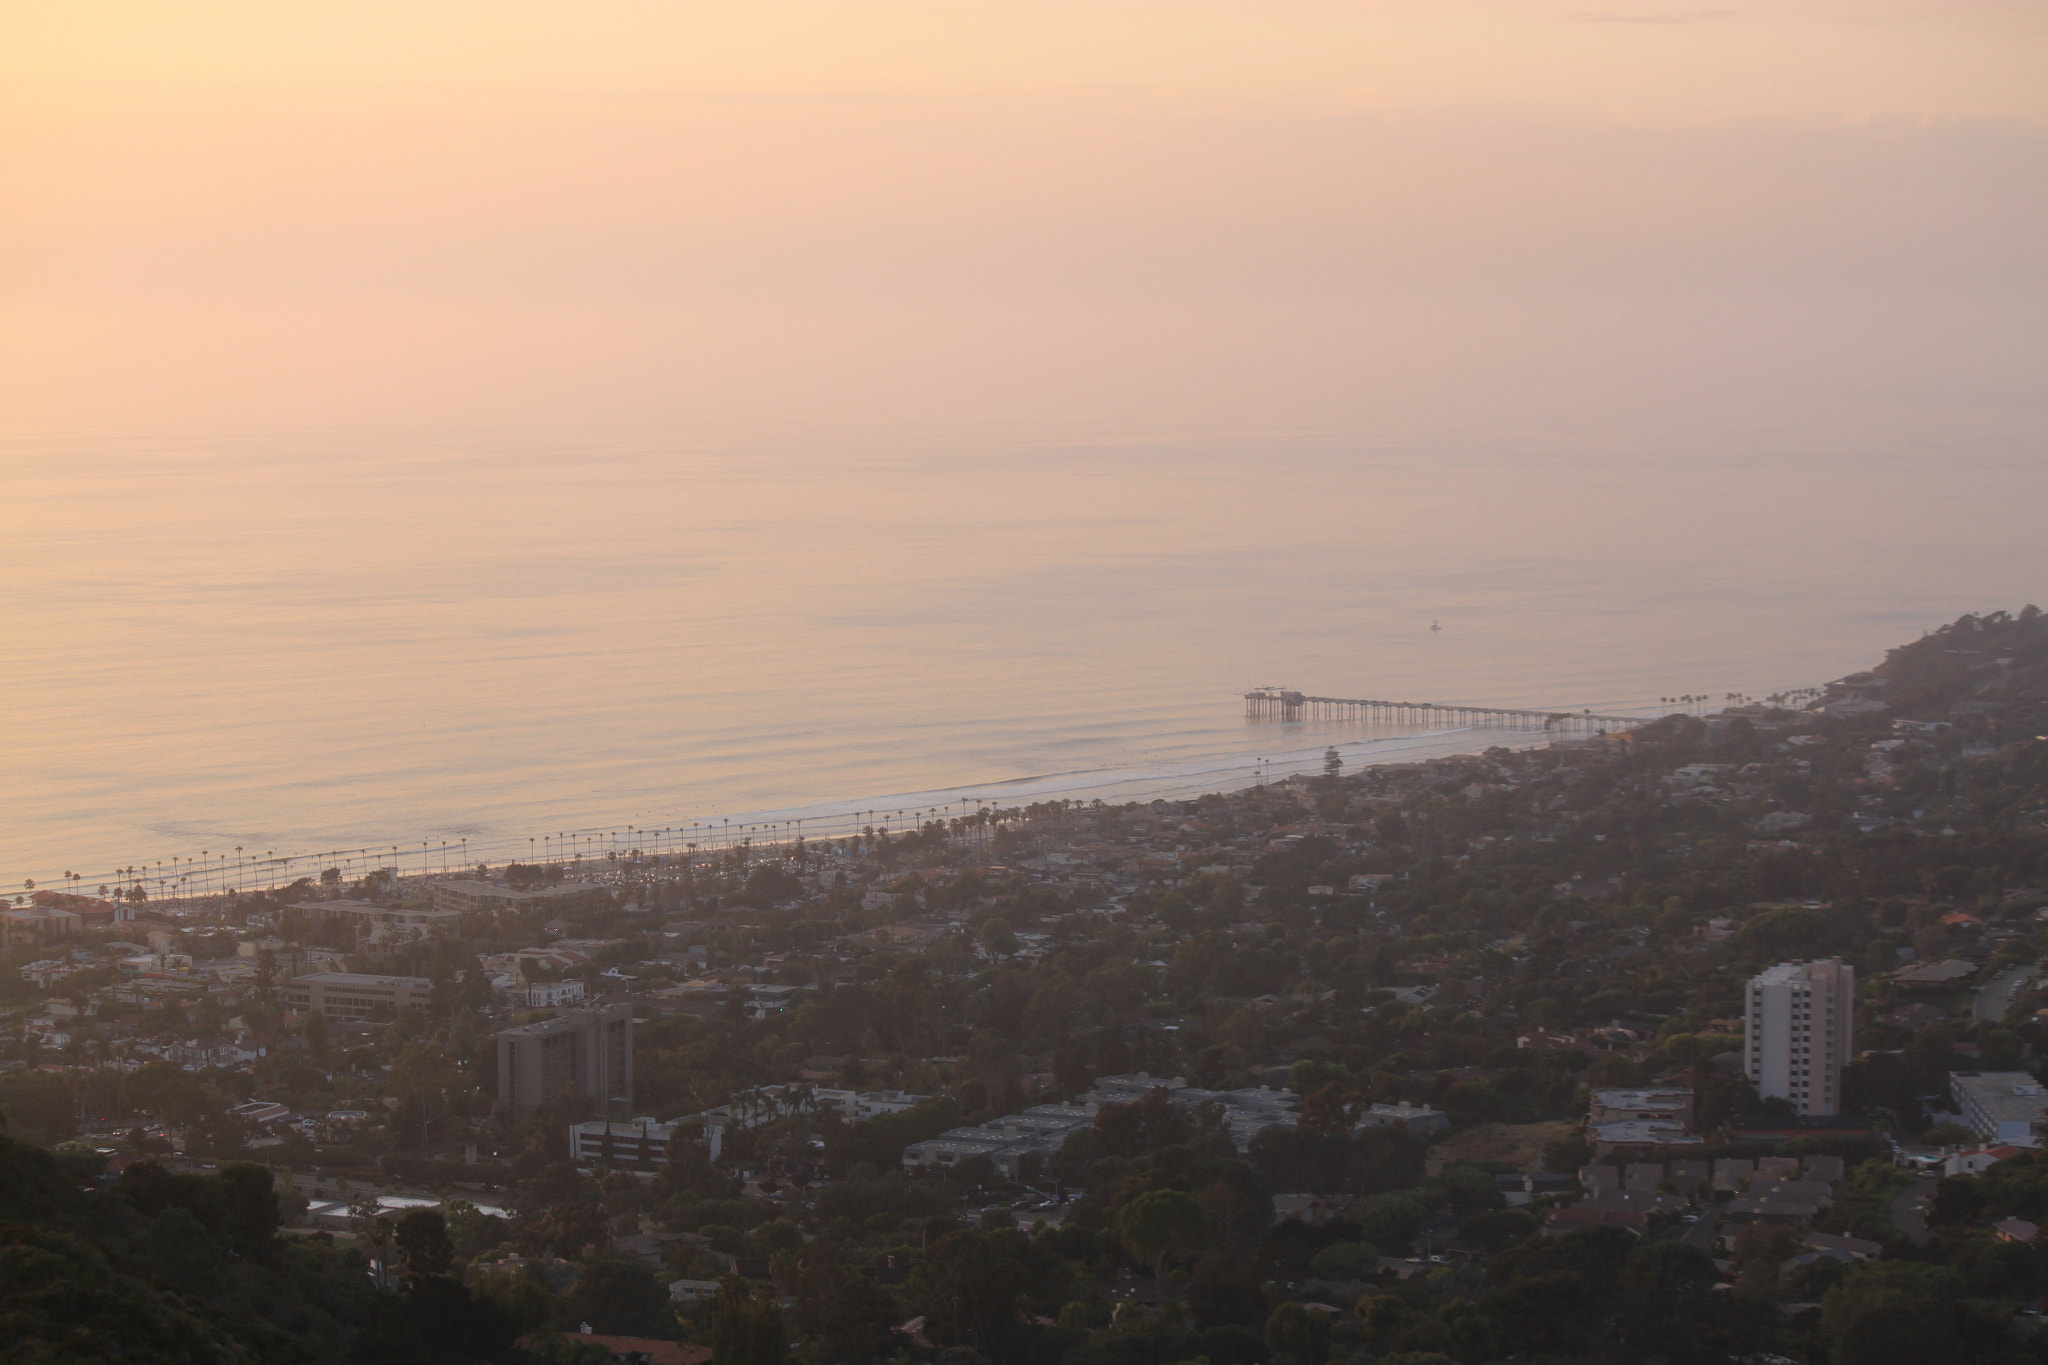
{"x": 38, "y": 1100}
{"x": 624, "y": 1297}
{"x": 1297, "y": 1336}
{"x": 471, "y": 1231}
{"x": 746, "y": 1324}
{"x": 1497, "y": 1229}
{"x": 1391, "y": 1221}
{"x": 1666, "y": 1304}
{"x": 246, "y": 1197}
{"x": 775, "y": 1235}
{"x": 1382, "y": 1158}
{"x": 688, "y": 1172}
{"x": 168, "y": 1091}
{"x": 420, "y": 1237}
{"x": 1160, "y": 1224}
{"x": 1328, "y": 1108}
{"x": 519, "y": 1297}
{"x": 843, "y": 1316}
{"x": 421, "y": 1076}
{"x": 1904, "y": 1313}
{"x": 969, "y": 1287}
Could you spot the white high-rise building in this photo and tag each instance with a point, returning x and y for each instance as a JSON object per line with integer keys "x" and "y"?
{"x": 1796, "y": 1032}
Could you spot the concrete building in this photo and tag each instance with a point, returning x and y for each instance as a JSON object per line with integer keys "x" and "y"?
{"x": 1671, "y": 1104}
{"x": 771, "y": 1103}
{"x": 36, "y": 924}
{"x": 475, "y": 896}
{"x": 2000, "y": 1106}
{"x": 380, "y": 921}
{"x": 1244, "y": 1112}
{"x": 543, "y": 995}
{"x": 1419, "y": 1119}
{"x": 1797, "y": 1022}
{"x": 1646, "y": 1117}
{"x": 587, "y": 1053}
{"x": 1017, "y": 1145}
{"x": 635, "y": 1142}
{"x": 351, "y": 995}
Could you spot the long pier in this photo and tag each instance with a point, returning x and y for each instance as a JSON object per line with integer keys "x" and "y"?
{"x": 1279, "y": 703}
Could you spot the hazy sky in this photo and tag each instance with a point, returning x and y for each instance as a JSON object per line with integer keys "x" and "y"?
{"x": 515, "y": 211}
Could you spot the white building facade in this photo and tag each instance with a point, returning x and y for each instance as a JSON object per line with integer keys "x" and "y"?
{"x": 1797, "y": 1024}
{"x": 2000, "y": 1106}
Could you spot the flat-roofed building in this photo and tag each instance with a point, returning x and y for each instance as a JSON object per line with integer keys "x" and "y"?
{"x": 1016, "y": 1144}
{"x": 353, "y": 995}
{"x": 770, "y": 1103}
{"x": 36, "y": 924}
{"x": 546, "y": 995}
{"x": 1128, "y": 1088}
{"x": 1419, "y": 1119}
{"x": 2000, "y": 1106}
{"x": 631, "y": 1142}
{"x": 472, "y": 895}
{"x": 586, "y": 1053}
{"x": 1672, "y": 1104}
{"x": 1244, "y": 1112}
{"x": 380, "y": 921}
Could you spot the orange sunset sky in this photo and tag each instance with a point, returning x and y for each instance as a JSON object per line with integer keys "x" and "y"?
{"x": 536, "y": 211}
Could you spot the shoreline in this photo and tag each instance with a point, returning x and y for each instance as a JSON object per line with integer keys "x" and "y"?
{"x": 184, "y": 878}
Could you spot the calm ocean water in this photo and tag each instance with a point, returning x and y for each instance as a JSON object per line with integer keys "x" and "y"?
{"x": 368, "y": 641}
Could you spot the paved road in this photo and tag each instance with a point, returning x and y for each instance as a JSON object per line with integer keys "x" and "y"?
{"x": 1701, "y": 1234}
{"x": 1991, "y": 1001}
{"x": 1909, "y": 1208}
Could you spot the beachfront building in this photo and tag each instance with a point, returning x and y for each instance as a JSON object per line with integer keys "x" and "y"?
{"x": 1796, "y": 1024}
{"x": 36, "y": 924}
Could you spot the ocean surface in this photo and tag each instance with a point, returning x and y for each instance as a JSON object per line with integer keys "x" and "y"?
{"x": 432, "y": 646}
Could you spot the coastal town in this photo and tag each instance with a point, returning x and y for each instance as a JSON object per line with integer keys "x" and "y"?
{"x": 1737, "y": 1014}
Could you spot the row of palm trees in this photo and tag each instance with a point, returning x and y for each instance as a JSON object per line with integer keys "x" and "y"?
{"x": 210, "y": 874}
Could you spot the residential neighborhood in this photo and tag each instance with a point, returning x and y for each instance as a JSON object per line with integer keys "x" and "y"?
{"x": 1353, "y": 1066}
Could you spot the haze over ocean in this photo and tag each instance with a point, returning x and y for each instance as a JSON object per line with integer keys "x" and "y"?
{"x": 483, "y": 420}
{"x": 298, "y": 643}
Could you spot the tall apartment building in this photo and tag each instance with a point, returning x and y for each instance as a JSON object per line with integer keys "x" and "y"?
{"x": 1796, "y": 1029}
{"x": 587, "y": 1053}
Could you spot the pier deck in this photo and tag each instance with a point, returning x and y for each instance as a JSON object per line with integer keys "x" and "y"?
{"x": 1279, "y": 703}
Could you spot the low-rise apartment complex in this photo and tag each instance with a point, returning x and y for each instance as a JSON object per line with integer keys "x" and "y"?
{"x": 2000, "y": 1106}
{"x": 352, "y": 995}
